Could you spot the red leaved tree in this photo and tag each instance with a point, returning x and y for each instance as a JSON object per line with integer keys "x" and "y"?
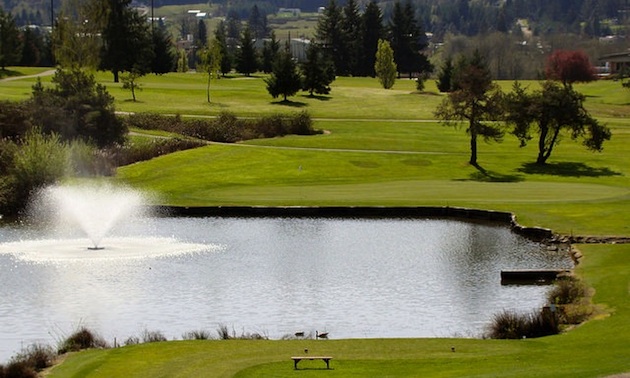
{"x": 570, "y": 66}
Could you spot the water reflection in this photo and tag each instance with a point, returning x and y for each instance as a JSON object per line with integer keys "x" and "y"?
{"x": 353, "y": 278}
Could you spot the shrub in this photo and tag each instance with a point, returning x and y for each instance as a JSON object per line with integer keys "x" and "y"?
{"x": 36, "y": 356}
{"x": 511, "y": 325}
{"x": 77, "y": 108}
{"x": 18, "y": 369}
{"x": 197, "y": 335}
{"x": 132, "y": 340}
{"x": 14, "y": 123}
{"x": 81, "y": 339}
{"x": 566, "y": 291}
{"x": 226, "y": 127}
{"x": 301, "y": 124}
{"x": 39, "y": 161}
{"x": 152, "y": 336}
{"x": 224, "y": 333}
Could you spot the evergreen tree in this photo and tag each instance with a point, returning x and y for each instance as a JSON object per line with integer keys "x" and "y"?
{"x": 408, "y": 39}
{"x": 352, "y": 41}
{"x": 164, "y": 55}
{"x": 247, "y": 61}
{"x": 445, "y": 76}
{"x": 330, "y": 35}
{"x": 285, "y": 80}
{"x": 385, "y": 67}
{"x": 127, "y": 41}
{"x": 373, "y": 30}
{"x": 317, "y": 72}
{"x": 10, "y": 46}
{"x": 474, "y": 99}
{"x": 270, "y": 52}
{"x": 32, "y": 47}
{"x": 202, "y": 34}
{"x": 77, "y": 107}
{"x": 226, "y": 58}
{"x": 258, "y": 23}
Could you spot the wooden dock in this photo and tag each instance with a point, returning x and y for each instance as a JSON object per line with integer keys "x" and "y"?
{"x": 531, "y": 276}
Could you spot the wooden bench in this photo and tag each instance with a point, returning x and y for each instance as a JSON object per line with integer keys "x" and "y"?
{"x": 297, "y": 359}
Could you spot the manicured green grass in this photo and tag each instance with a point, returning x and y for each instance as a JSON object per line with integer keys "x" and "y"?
{"x": 383, "y": 148}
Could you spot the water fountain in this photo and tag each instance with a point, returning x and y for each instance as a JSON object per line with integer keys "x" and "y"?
{"x": 70, "y": 221}
{"x": 95, "y": 209}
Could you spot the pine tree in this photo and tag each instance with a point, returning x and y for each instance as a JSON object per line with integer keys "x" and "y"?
{"x": 408, "y": 39}
{"x": 10, "y": 47}
{"x": 285, "y": 80}
{"x": 445, "y": 76}
{"x": 127, "y": 41}
{"x": 258, "y": 23}
{"x": 330, "y": 35}
{"x": 226, "y": 58}
{"x": 270, "y": 53}
{"x": 352, "y": 36}
{"x": 202, "y": 34}
{"x": 317, "y": 72}
{"x": 247, "y": 61}
{"x": 372, "y": 31}
{"x": 474, "y": 99}
{"x": 164, "y": 55}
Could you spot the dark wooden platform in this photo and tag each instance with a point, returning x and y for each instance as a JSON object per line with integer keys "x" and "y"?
{"x": 531, "y": 276}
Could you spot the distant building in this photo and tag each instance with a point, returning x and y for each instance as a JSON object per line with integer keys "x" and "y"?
{"x": 615, "y": 63}
{"x": 295, "y": 12}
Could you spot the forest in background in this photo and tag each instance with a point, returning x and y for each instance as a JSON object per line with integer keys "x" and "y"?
{"x": 467, "y": 17}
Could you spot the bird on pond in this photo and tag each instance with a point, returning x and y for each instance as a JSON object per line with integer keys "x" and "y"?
{"x": 323, "y": 335}
{"x": 299, "y": 334}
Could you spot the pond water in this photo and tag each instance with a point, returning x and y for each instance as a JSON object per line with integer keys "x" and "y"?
{"x": 353, "y": 278}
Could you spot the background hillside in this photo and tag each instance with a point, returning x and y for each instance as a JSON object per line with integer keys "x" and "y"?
{"x": 467, "y": 17}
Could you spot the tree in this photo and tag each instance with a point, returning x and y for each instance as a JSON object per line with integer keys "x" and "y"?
{"x": 270, "y": 53}
{"x": 329, "y": 34}
{"x": 221, "y": 38}
{"x": 569, "y": 67}
{"x": 77, "y": 43}
{"x": 127, "y": 41}
{"x": 445, "y": 76}
{"x": 210, "y": 63}
{"x": 475, "y": 99}
{"x": 317, "y": 72}
{"x": 408, "y": 39}
{"x": 130, "y": 82}
{"x": 164, "y": 55}
{"x": 33, "y": 49}
{"x": 247, "y": 61}
{"x": 258, "y": 23}
{"x": 385, "y": 67}
{"x": 372, "y": 32}
{"x": 553, "y": 109}
{"x": 351, "y": 29}
{"x": 202, "y": 34}
{"x": 77, "y": 108}
{"x": 285, "y": 80}
{"x": 182, "y": 61}
{"x": 10, "y": 46}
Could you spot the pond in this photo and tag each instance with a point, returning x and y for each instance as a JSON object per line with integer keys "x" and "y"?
{"x": 352, "y": 278}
